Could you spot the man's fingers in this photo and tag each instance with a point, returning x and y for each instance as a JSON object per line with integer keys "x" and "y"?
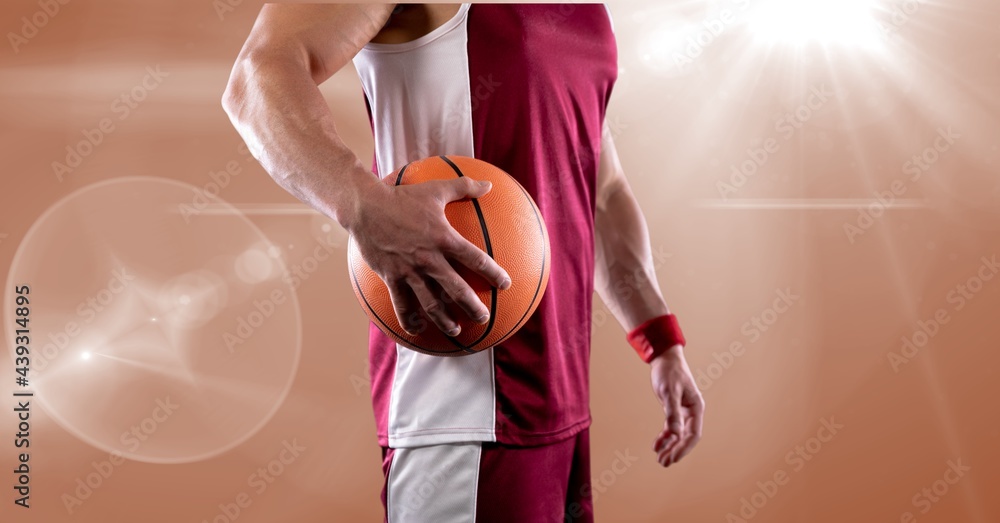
{"x": 664, "y": 458}
{"x": 664, "y": 440}
{"x": 670, "y": 452}
{"x": 406, "y": 306}
{"x": 665, "y": 455}
{"x": 674, "y": 434}
{"x": 672, "y": 429}
{"x": 674, "y": 422}
{"x": 460, "y": 292}
{"x": 697, "y": 409}
{"x": 686, "y": 446}
{"x": 433, "y": 306}
{"x": 695, "y": 422}
{"x": 464, "y": 187}
{"x": 466, "y": 253}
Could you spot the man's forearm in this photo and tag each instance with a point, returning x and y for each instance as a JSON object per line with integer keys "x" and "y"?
{"x": 626, "y": 275}
{"x": 276, "y": 106}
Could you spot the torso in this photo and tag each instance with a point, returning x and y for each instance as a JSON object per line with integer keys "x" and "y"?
{"x": 523, "y": 87}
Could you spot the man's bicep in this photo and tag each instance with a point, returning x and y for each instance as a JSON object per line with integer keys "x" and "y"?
{"x": 325, "y": 37}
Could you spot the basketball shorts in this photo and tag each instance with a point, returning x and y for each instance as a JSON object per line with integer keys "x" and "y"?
{"x": 489, "y": 483}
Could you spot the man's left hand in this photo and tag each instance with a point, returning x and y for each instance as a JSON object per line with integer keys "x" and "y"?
{"x": 682, "y": 403}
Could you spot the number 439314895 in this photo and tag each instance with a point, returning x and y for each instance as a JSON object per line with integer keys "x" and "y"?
{"x": 22, "y": 314}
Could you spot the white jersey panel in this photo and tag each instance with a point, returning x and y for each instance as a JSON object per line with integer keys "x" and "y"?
{"x": 419, "y": 95}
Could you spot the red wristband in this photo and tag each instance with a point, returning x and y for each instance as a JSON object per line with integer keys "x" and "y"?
{"x": 655, "y": 336}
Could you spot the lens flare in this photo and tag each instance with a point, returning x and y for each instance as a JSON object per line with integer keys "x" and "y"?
{"x": 798, "y": 22}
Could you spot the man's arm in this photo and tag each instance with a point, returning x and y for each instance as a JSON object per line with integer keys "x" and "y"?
{"x": 274, "y": 102}
{"x": 626, "y": 281}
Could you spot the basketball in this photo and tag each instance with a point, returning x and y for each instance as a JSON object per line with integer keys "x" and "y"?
{"x": 506, "y": 224}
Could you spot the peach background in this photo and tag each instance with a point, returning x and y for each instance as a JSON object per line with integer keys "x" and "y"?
{"x": 722, "y": 263}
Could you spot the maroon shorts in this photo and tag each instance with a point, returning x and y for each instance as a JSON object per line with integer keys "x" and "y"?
{"x": 489, "y": 483}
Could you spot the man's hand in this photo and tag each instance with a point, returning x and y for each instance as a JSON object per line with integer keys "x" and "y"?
{"x": 682, "y": 403}
{"x": 404, "y": 236}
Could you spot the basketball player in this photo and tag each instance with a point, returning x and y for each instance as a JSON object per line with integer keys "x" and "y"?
{"x": 501, "y": 435}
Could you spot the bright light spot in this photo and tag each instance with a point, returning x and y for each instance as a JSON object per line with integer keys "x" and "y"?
{"x": 254, "y": 266}
{"x": 273, "y": 251}
{"x": 671, "y": 44}
{"x": 326, "y": 227}
{"x": 847, "y": 22}
{"x": 85, "y": 356}
{"x": 190, "y": 299}
{"x": 152, "y": 319}
{"x": 660, "y": 43}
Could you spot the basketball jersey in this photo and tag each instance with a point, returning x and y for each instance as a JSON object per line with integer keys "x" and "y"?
{"x": 524, "y": 87}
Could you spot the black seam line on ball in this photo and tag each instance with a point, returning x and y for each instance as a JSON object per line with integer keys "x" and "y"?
{"x": 399, "y": 179}
{"x": 489, "y": 252}
{"x": 541, "y": 275}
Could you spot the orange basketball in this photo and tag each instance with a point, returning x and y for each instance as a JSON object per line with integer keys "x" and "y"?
{"x": 506, "y": 224}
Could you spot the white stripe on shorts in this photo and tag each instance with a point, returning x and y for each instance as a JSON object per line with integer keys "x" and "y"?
{"x": 434, "y": 484}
